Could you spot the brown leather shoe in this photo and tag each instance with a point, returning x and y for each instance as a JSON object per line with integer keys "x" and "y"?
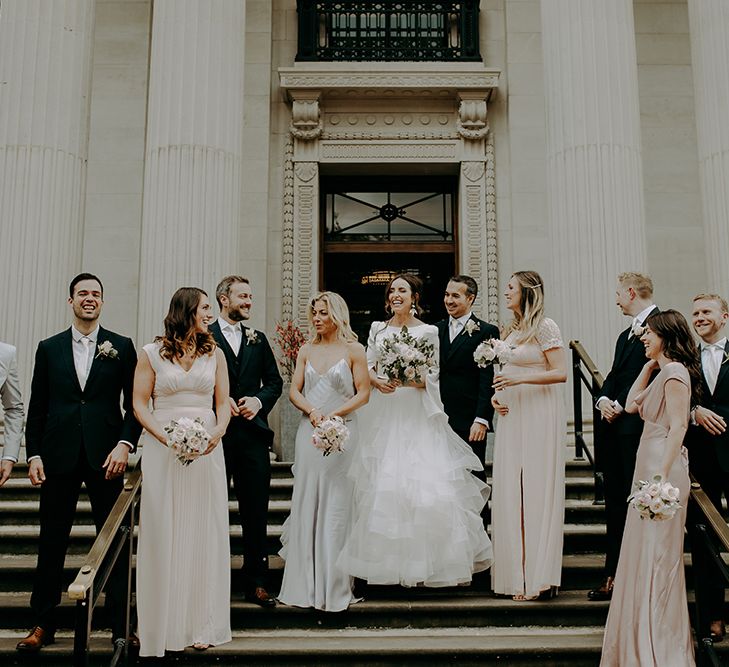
{"x": 261, "y": 597}
{"x": 717, "y": 630}
{"x": 36, "y": 640}
{"x": 604, "y": 592}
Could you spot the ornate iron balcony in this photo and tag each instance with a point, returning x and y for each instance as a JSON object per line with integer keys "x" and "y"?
{"x": 381, "y": 30}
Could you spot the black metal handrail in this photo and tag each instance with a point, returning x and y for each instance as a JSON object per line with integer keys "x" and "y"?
{"x": 378, "y": 30}
{"x": 116, "y": 536}
{"x": 585, "y": 372}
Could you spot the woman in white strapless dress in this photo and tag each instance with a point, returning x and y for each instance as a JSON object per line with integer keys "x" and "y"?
{"x": 330, "y": 380}
{"x": 183, "y": 556}
{"x": 417, "y": 517}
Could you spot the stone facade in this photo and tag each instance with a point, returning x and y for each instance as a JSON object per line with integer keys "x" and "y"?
{"x": 273, "y": 124}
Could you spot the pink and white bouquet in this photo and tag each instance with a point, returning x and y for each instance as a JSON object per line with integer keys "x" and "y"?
{"x": 406, "y": 358}
{"x": 330, "y": 435}
{"x": 188, "y": 438}
{"x": 493, "y": 351}
{"x": 655, "y": 500}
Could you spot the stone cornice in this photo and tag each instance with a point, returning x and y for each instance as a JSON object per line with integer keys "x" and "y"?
{"x": 388, "y": 79}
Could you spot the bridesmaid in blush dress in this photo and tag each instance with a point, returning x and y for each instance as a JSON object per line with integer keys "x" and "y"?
{"x": 330, "y": 380}
{"x": 529, "y": 450}
{"x": 648, "y": 622}
{"x": 183, "y": 556}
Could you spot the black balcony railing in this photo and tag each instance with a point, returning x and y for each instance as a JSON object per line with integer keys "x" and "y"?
{"x": 368, "y": 30}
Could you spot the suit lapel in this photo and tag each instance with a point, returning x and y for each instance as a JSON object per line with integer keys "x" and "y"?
{"x": 723, "y": 368}
{"x": 244, "y": 354}
{"x": 96, "y": 360}
{"x": 67, "y": 354}
{"x": 445, "y": 342}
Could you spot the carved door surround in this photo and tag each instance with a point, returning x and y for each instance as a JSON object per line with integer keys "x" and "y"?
{"x": 344, "y": 113}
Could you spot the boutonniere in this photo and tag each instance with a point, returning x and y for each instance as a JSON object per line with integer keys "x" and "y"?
{"x": 251, "y": 336}
{"x": 471, "y": 326}
{"x": 637, "y": 330}
{"x": 106, "y": 350}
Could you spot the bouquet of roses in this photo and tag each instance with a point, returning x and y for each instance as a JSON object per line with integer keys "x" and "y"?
{"x": 406, "y": 358}
{"x": 188, "y": 438}
{"x": 330, "y": 435}
{"x": 493, "y": 351}
{"x": 656, "y": 500}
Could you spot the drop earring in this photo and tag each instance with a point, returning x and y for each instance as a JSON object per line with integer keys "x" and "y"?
{"x": 413, "y": 310}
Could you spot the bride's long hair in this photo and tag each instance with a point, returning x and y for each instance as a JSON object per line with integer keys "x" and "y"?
{"x": 180, "y": 333}
{"x": 531, "y": 307}
{"x": 338, "y": 313}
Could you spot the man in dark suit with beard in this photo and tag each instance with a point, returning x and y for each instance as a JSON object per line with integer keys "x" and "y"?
{"x": 76, "y": 433}
{"x": 465, "y": 389}
{"x": 708, "y": 440}
{"x": 255, "y": 386}
{"x": 618, "y": 435}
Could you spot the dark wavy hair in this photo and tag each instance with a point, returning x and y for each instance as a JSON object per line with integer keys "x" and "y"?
{"x": 679, "y": 345}
{"x": 416, "y": 289}
{"x": 180, "y": 335}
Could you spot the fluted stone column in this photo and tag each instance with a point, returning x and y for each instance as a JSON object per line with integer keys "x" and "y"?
{"x": 709, "y": 25}
{"x": 45, "y": 65}
{"x": 192, "y": 182}
{"x": 594, "y": 172}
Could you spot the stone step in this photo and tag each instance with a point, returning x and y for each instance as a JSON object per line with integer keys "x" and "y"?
{"x": 517, "y": 647}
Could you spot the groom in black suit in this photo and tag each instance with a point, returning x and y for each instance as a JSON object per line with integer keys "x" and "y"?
{"x": 76, "y": 433}
{"x": 465, "y": 389}
{"x": 255, "y": 386}
{"x": 618, "y": 434}
{"x": 708, "y": 440}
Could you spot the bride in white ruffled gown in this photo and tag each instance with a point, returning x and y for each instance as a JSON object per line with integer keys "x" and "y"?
{"x": 330, "y": 380}
{"x": 417, "y": 514}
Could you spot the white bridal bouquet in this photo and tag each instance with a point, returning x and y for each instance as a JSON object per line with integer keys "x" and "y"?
{"x": 330, "y": 435}
{"x": 655, "y": 500}
{"x": 406, "y": 358}
{"x": 188, "y": 438}
{"x": 493, "y": 351}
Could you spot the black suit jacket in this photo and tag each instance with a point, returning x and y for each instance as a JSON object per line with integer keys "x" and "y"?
{"x": 63, "y": 418}
{"x": 698, "y": 436}
{"x": 465, "y": 389}
{"x": 253, "y": 372}
{"x": 628, "y": 361}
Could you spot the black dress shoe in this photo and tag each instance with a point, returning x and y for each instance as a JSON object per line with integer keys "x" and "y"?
{"x": 260, "y": 597}
{"x": 604, "y": 592}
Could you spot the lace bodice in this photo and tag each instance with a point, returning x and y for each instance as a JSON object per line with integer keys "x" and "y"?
{"x": 531, "y": 353}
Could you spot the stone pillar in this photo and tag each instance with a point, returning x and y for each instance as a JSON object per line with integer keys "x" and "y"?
{"x": 192, "y": 182}
{"x": 45, "y": 65}
{"x": 594, "y": 168}
{"x": 709, "y": 25}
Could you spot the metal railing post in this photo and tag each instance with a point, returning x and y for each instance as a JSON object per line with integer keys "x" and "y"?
{"x": 577, "y": 406}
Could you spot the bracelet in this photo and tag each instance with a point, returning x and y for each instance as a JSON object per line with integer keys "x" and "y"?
{"x": 308, "y": 414}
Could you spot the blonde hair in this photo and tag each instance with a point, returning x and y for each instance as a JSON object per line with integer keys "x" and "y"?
{"x": 714, "y": 297}
{"x": 338, "y": 313}
{"x": 531, "y": 306}
{"x": 640, "y": 282}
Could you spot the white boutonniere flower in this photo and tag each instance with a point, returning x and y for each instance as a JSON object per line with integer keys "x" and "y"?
{"x": 106, "y": 350}
{"x": 471, "y": 326}
{"x": 251, "y": 336}
{"x": 637, "y": 330}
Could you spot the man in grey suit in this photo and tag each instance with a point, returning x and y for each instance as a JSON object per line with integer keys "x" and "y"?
{"x": 12, "y": 407}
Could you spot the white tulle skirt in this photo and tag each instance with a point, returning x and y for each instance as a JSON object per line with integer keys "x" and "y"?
{"x": 417, "y": 512}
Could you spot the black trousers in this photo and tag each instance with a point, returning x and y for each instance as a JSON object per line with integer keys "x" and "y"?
{"x": 705, "y": 467}
{"x": 248, "y": 464}
{"x": 58, "y": 499}
{"x": 479, "y": 449}
{"x": 618, "y": 469}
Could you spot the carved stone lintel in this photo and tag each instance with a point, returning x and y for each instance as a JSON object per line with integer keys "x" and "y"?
{"x": 471, "y": 122}
{"x": 305, "y": 121}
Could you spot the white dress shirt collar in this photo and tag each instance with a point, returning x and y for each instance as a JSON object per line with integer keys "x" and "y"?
{"x": 719, "y": 345}
{"x": 461, "y": 320}
{"x": 77, "y": 335}
{"x": 224, "y": 324}
{"x": 642, "y": 316}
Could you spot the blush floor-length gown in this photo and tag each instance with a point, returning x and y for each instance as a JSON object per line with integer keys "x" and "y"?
{"x": 648, "y": 622}
{"x": 321, "y": 505}
{"x": 183, "y": 556}
{"x": 417, "y": 513}
{"x": 528, "y": 478}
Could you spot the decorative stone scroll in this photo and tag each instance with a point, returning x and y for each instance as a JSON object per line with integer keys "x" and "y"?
{"x": 471, "y": 122}
{"x": 305, "y": 122}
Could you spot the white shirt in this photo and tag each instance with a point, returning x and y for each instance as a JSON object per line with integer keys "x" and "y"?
{"x": 234, "y": 335}
{"x": 84, "y": 349}
{"x": 455, "y": 326}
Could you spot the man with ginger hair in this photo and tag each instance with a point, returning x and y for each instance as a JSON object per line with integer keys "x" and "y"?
{"x": 708, "y": 443}
{"x": 618, "y": 435}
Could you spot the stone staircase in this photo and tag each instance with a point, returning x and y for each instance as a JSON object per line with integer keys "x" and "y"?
{"x": 392, "y": 626}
